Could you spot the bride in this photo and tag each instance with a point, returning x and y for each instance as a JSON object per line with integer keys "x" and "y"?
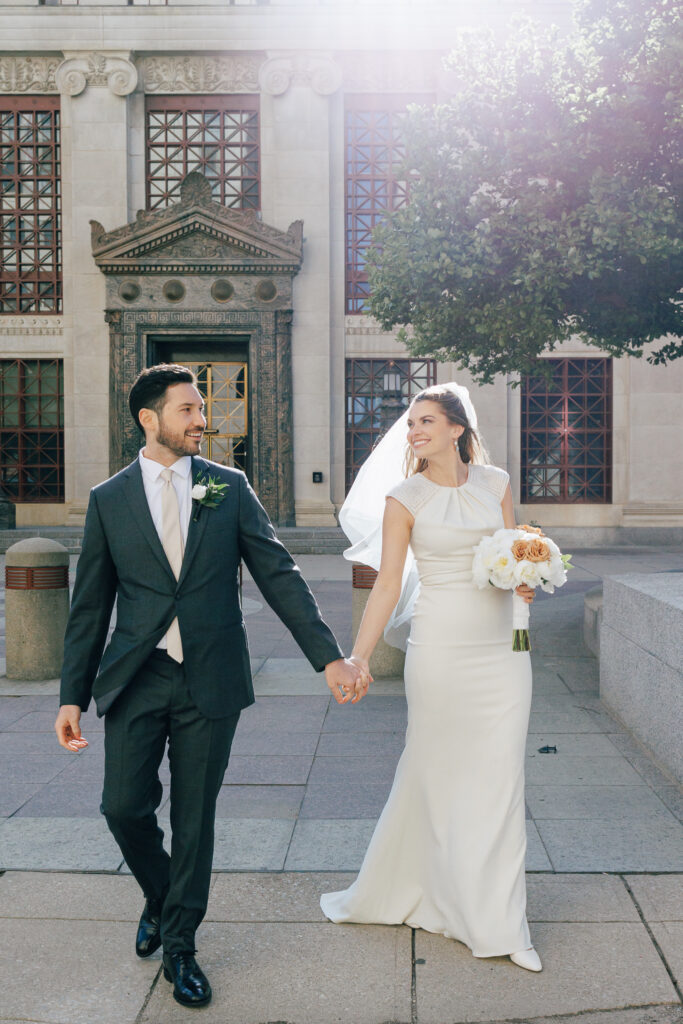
{"x": 447, "y": 854}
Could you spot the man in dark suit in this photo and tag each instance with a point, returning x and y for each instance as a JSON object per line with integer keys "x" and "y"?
{"x": 164, "y": 537}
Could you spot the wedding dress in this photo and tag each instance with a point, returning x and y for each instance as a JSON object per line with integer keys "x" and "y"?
{"x": 448, "y": 851}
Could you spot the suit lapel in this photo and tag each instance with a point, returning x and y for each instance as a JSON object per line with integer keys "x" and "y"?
{"x": 196, "y": 529}
{"x": 137, "y": 500}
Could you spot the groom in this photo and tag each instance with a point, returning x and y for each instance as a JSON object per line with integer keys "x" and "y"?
{"x": 177, "y": 666}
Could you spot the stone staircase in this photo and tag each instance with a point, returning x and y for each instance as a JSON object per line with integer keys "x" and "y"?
{"x": 300, "y": 540}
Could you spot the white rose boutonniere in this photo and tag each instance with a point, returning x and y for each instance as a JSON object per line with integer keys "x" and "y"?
{"x": 206, "y": 492}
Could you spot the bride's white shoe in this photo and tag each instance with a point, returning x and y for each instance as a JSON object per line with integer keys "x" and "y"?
{"x": 528, "y": 959}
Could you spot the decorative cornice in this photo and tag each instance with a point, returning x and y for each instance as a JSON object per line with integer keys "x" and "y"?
{"x": 112, "y": 69}
{"x": 391, "y": 72}
{"x": 233, "y": 241}
{"x": 200, "y": 74}
{"x": 28, "y": 74}
{"x": 21, "y": 326}
{"x": 317, "y": 71}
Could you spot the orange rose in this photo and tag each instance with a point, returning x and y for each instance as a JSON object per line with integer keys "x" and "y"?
{"x": 537, "y": 551}
{"x": 532, "y": 529}
{"x": 519, "y": 549}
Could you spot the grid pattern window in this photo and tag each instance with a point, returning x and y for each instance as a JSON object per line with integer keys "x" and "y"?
{"x": 32, "y": 429}
{"x": 215, "y": 135}
{"x": 375, "y": 150}
{"x": 378, "y": 391}
{"x": 30, "y": 228}
{"x": 567, "y": 433}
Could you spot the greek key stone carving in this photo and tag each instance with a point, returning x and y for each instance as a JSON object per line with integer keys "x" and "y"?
{"x": 28, "y": 74}
{"x": 320, "y": 73}
{"x": 113, "y": 70}
{"x": 200, "y": 74}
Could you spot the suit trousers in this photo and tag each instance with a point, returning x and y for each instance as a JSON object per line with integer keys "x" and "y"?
{"x": 155, "y": 707}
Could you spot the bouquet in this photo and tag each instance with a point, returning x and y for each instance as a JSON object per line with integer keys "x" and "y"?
{"x": 523, "y": 555}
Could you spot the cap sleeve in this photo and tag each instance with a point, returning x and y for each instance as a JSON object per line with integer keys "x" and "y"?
{"x": 493, "y": 479}
{"x": 413, "y": 493}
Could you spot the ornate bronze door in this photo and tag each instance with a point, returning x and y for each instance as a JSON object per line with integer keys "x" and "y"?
{"x": 225, "y": 391}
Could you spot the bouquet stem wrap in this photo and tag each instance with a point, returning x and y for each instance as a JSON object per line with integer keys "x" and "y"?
{"x": 520, "y": 624}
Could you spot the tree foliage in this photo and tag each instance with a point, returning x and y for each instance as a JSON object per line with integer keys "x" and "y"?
{"x": 545, "y": 196}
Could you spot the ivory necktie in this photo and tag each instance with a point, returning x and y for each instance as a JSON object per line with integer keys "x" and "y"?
{"x": 172, "y": 540}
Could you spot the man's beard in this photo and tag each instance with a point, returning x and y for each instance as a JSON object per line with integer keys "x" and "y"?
{"x": 179, "y": 444}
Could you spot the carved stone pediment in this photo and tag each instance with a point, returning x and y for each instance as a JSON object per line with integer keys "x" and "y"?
{"x": 197, "y": 236}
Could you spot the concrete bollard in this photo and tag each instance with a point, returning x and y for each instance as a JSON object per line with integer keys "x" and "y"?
{"x": 387, "y": 662}
{"x": 36, "y": 608}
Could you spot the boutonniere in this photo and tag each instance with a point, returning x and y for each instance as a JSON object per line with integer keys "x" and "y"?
{"x": 207, "y": 492}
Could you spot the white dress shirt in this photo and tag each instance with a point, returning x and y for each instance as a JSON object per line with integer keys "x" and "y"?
{"x": 153, "y": 484}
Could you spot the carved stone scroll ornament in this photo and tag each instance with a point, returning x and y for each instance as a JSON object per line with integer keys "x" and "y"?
{"x": 28, "y": 74}
{"x": 113, "y": 70}
{"x": 233, "y": 74}
{"x": 320, "y": 73}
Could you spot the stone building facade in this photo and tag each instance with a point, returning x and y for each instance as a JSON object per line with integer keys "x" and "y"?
{"x": 198, "y": 182}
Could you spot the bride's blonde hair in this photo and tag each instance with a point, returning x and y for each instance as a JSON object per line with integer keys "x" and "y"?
{"x": 470, "y": 444}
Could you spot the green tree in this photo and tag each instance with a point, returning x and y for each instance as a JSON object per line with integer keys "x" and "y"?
{"x": 545, "y": 196}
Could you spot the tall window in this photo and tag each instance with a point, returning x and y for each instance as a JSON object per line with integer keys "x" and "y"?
{"x": 30, "y": 230}
{"x": 216, "y": 135}
{"x": 377, "y": 393}
{"x": 374, "y": 152}
{"x": 32, "y": 429}
{"x": 567, "y": 433}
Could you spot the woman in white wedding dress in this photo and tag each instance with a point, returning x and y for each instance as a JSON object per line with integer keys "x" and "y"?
{"x": 447, "y": 854}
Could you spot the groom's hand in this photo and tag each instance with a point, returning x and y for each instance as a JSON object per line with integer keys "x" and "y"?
{"x": 345, "y": 680}
{"x": 68, "y": 728}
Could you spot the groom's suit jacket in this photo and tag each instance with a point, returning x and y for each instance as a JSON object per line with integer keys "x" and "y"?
{"x": 122, "y": 558}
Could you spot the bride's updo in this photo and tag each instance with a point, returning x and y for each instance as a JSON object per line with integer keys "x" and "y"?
{"x": 470, "y": 444}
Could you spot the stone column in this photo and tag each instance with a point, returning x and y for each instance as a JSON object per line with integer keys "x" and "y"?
{"x": 295, "y": 139}
{"x": 94, "y": 87}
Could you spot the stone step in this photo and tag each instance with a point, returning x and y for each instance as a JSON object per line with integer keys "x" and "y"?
{"x": 299, "y": 540}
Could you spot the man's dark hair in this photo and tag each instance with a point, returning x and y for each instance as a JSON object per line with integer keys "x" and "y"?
{"x": 150, "y": 387}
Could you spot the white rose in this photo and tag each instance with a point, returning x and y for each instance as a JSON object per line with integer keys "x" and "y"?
{"x": 198, "y": 492}
{"x": 527, "y": 572}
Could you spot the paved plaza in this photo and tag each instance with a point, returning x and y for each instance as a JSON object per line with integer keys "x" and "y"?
{"x": 305, "y": 785}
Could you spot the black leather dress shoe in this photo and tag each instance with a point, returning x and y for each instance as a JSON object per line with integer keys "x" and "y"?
{"x": 190, "y": 984}
{"x": 148, "y": 938}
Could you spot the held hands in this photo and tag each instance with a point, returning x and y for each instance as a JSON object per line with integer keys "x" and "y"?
{"x": 346, "y": 680}
{"x": 525, "y": 592}
{"x": 68, "y": 728}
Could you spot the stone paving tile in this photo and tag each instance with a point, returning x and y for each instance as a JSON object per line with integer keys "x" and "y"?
{"x": 40, "y": 744}
{"x": 87, "y": 766}
{"x": 578, "y": 674}
{"x": 650, "y": 772}
{"x": 290, "y": 896}
{"x": 660, "y": 897}
{"x": 605, "y": 803}
{"x": 78, "y": 975}
{"x": 673, "y": 798}
{"x": 536, "y": 854}
{"x": 262, "y": 972}
{"x": 580, "y": 744}
{"x": 58, "y": 799}
{"x": 329, "y": 845}
{"x": 562, "y": 722}
{"x": 361, "y": 744}
{"x": 44, "y": 722}
{"x": 259, "y": 801}
{"x": 378, "y": 768}
{"x": 578, "y": 898}
{"x": 274, "y": 741}
{"x": 37, "y": 769}
{"x": 57, "y": 844}
{"x": 291, "y": 714}
{"x": 373, "y": 714}
{"x": 251, "y": 844}
{"x": 14, "y": 795}
{"x": 352, "y": 797}
{"x": 586, "y": 967}
{"x": 567, "y": 770}
{"x": 9, "y": 715}
{"x": 276, "y": 770}
{"x": 669, "y": 935}
{"x": 69, "y": 896}
{"x": 613, "y": 845}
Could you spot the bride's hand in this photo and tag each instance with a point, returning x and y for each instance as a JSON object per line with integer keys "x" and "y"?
{"x": 365, "y": 676}
{"x": 525, "y": 592}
